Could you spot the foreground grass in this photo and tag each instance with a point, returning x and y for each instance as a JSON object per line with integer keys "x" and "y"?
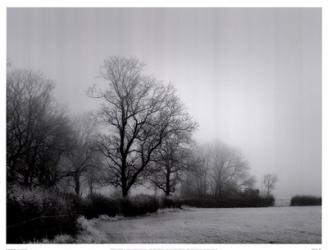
{"x": 205, "y": 225}
{"x": 91, "y": 229}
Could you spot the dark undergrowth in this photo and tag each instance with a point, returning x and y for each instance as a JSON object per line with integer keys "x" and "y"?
{"x": 36, "y": 214}
{"x": 305, "y": 200}
{"x": 229, "y": 203}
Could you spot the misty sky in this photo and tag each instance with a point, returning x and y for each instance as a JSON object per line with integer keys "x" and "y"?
{"x": 250, "y": 77}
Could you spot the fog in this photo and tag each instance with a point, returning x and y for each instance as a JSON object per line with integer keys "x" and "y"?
{"x": 249, "y": 77}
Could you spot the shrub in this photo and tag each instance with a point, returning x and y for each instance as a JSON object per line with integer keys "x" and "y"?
{"x": 138, "y": 205}
{"x": 36, "y": 214}
{"x": 305, "y": 200}
{"x": 97, "y": 204}
{"x": 170, "y": 203}
{"x": 227, "y": 203}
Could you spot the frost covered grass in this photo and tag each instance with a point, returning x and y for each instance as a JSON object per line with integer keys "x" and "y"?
{"x": 226, "y": 225}
{"x": 90, "y": 232}
{"x": 204, "y": 225}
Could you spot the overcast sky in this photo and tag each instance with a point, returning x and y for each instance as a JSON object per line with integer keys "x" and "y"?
{"x": 250, "y": 77}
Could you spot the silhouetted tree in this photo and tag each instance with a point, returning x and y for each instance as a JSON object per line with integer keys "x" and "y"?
{"x": 95, "y": 175}
{"x": 269, "y": 182}
{"x": 217, "y": 170}
{"x": 196, "y": 181}
{"x": 171, "y": 161}
{"x": 139, "y": 113}
{"x": 83, "y": 153}
{"x": 37, "y": 132}
{"x": 229, "y": 171}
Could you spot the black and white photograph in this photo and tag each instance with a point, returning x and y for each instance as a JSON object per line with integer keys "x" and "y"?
{"x": 143, "y": 125}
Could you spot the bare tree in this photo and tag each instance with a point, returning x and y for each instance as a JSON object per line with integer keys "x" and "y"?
{"x": 95, "y": 176}
{"x": 171, "y": 161}
{"x": 138, "y": 113}
{"x": 83, "y": 152}
{"x": 269, "y": 182}
{"x": 37, "y": 132}
{"x": 229, "y": 171}
{"x": 196, "y": 181}
{"x": 217, "y": 170}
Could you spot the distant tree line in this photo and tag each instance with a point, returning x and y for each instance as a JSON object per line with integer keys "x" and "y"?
{"x": 218, "y": 171}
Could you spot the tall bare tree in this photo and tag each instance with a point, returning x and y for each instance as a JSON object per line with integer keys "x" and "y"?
{"x": 269, "y": 183}
{"x": 138, "y": 113}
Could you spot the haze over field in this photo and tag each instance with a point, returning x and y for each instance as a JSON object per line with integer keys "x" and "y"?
{"x": 251, "y": 78}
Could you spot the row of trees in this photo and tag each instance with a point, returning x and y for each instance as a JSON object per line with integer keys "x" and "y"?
{"x": 220, "y": 172}
{"x": 141, "y": 133}
{"x": 38, "y": 133}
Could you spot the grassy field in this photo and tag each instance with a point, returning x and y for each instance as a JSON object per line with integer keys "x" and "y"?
{"x": 207, "y": 225}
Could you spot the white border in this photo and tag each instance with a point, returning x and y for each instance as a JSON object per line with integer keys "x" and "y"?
{"x": 162, "y": 3}
{"x": 165, "y": 3}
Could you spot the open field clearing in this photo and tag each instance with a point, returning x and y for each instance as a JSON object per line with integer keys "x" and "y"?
{"x": 207, "y": 225}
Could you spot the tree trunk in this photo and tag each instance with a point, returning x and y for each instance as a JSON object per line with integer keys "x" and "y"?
{"x": 220, "y": 192}
{"x": 91, "y": 187}
{"x": 27, "y": 177}
{"x": 167, "y": 184}
{"x": 77, "y": 184}
{"x": 125, "y": 192}
{"x": 125, "y": 189}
